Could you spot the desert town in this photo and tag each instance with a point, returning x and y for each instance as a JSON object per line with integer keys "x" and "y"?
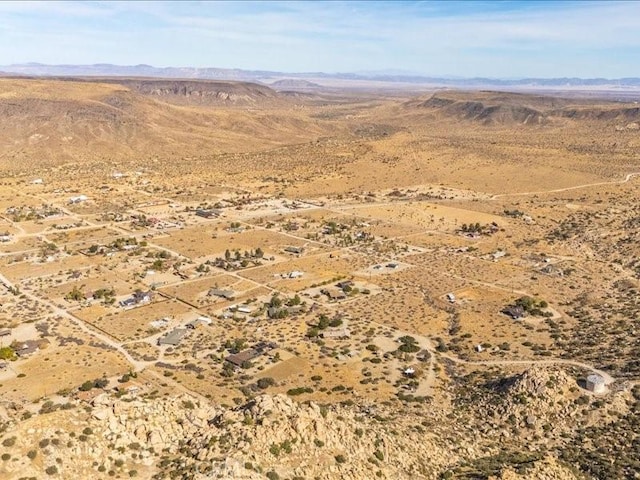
{"x": 403, "y": 291}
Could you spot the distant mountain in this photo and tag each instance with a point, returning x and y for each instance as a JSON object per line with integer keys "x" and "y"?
{"x": 105, "y": 70}
{"x": 293, "y": 83}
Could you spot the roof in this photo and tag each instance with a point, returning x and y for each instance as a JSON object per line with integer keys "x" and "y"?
{"x": 595, "y": 379}
{"x": 216, "y": 292}
{"x": 5, "y": 332}
{"x": 514, "y": 312}
{"x": 246, "y": 355}
{"x": 337, "y": 333}
{"x": 173, "y": 337}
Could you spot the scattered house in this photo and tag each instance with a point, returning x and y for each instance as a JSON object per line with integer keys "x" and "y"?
{"x": 392, "y": 265}
{"x": 345, "y": 284}
{"x": 128, "y": 388}
{"x": 78, "y": 199}
{"x": 295, "y": 274}
{"x": 5, "y": 332}
{"x": 118, "y": 175}
{"x": 334, "y": 293}
{"x": 226, "y": 294}
{"x": 136, "y": 299}
{"x": 5, "y": 238}
{"x": 36, "y": 181}
{"x": 238, "y": 359}
{"x": 409, "y": 372}
{"x": 249, "y": 354}
{"x": 204, "y": 320}
{"x": 197, "y": 323}
{"x": 516, "y": 312}
{"x": 498, "y": 254}
{"x": 595, "y": 383}
{"x": 423, "y": 355}
{"x": 244, "y": 309}
{"x": 89, "y": 395}
{"x": 208, "y": 212}
{"x": 26, "y": 348}
{"x": 294, "y": 250}
{"x": 479, "y": 348}
{"x": 377, "y": 267}
{"x": 451, "y": 298}
{"x": 3, "y": 365}
{"x": 336, "y": 333}
{"x": 160, "y": 323}
{"x": 174, "y": 337}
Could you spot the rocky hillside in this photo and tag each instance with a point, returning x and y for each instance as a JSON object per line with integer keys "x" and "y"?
{"x": 495, "y": 108}
{"x": 510, "y": 428}
{"x": 191, "y": 92}
{"x": 53, "y": 121}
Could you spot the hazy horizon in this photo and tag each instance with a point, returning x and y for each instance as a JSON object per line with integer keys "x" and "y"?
{"x": 502, "y": 40}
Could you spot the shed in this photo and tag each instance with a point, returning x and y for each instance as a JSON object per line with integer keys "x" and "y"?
{"x": 595, "y": 383}
{"x": 296, "y": 250}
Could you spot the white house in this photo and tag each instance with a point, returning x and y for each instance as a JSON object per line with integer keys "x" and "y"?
{"x": 78, "y": 199}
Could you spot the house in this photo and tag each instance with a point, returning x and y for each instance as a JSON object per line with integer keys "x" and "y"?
{"x": 294, "y": 250}
{"x": 160, "y": 323}
{"x": 295, "y": 274}
{"x": 247, "y": 355}
{"x": 336, "y": 333}
{"x": 392, "y": 265}
{"x": 26, "y": 348}
{"x": 345, "y": 284}
{"x": 89, "y": 395}
{"x": 128, "y": 388}
{"x": 197, "y": 323}
{"x": 335, "y": 294}
{"x": 204, "y": 320}
{"x": 78, "y": 199}
{"x": 174, "y": 337}
{"x": 498, "y": 254}
{"x": 136, "y": 299}
{"x": 479, "y": 348}
{"x": 226, "y": 294}
{"x": 451, "y": 298}
{"x": 208, "y": 212}
{"x": 5, "y": 238}
{"x": 409, "y": 372}
{"x": 244, "y": 309}
{"x": 5, "y": 332}
{"x": 36, "y": 181}
{"x": 516, "y": 312}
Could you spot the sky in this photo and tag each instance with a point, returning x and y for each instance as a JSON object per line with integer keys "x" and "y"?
{"x": 508, "y": 39}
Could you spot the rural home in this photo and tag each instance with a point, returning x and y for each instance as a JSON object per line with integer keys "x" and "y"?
{"x": 174, "y": 337}
{"x": 336, "y": 333}
{"x": 208, "y": 212}
{"x": 78, "y": 199}
{"x": 226, "y": 294}
{"x": 515, "y": 312}
{"x": 136, "y": 299}
{"x": 294, "y": 250}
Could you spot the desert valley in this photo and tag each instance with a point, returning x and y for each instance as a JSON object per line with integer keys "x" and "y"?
{"x": 208, "y": 279}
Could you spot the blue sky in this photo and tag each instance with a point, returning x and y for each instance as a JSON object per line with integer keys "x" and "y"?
{"x": 508, "y": 39}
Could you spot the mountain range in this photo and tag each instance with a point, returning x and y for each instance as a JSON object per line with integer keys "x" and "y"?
{"x": 105, "y": 69}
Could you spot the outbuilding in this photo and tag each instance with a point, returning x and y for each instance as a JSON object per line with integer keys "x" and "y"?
{"x": 595, "y": 383}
